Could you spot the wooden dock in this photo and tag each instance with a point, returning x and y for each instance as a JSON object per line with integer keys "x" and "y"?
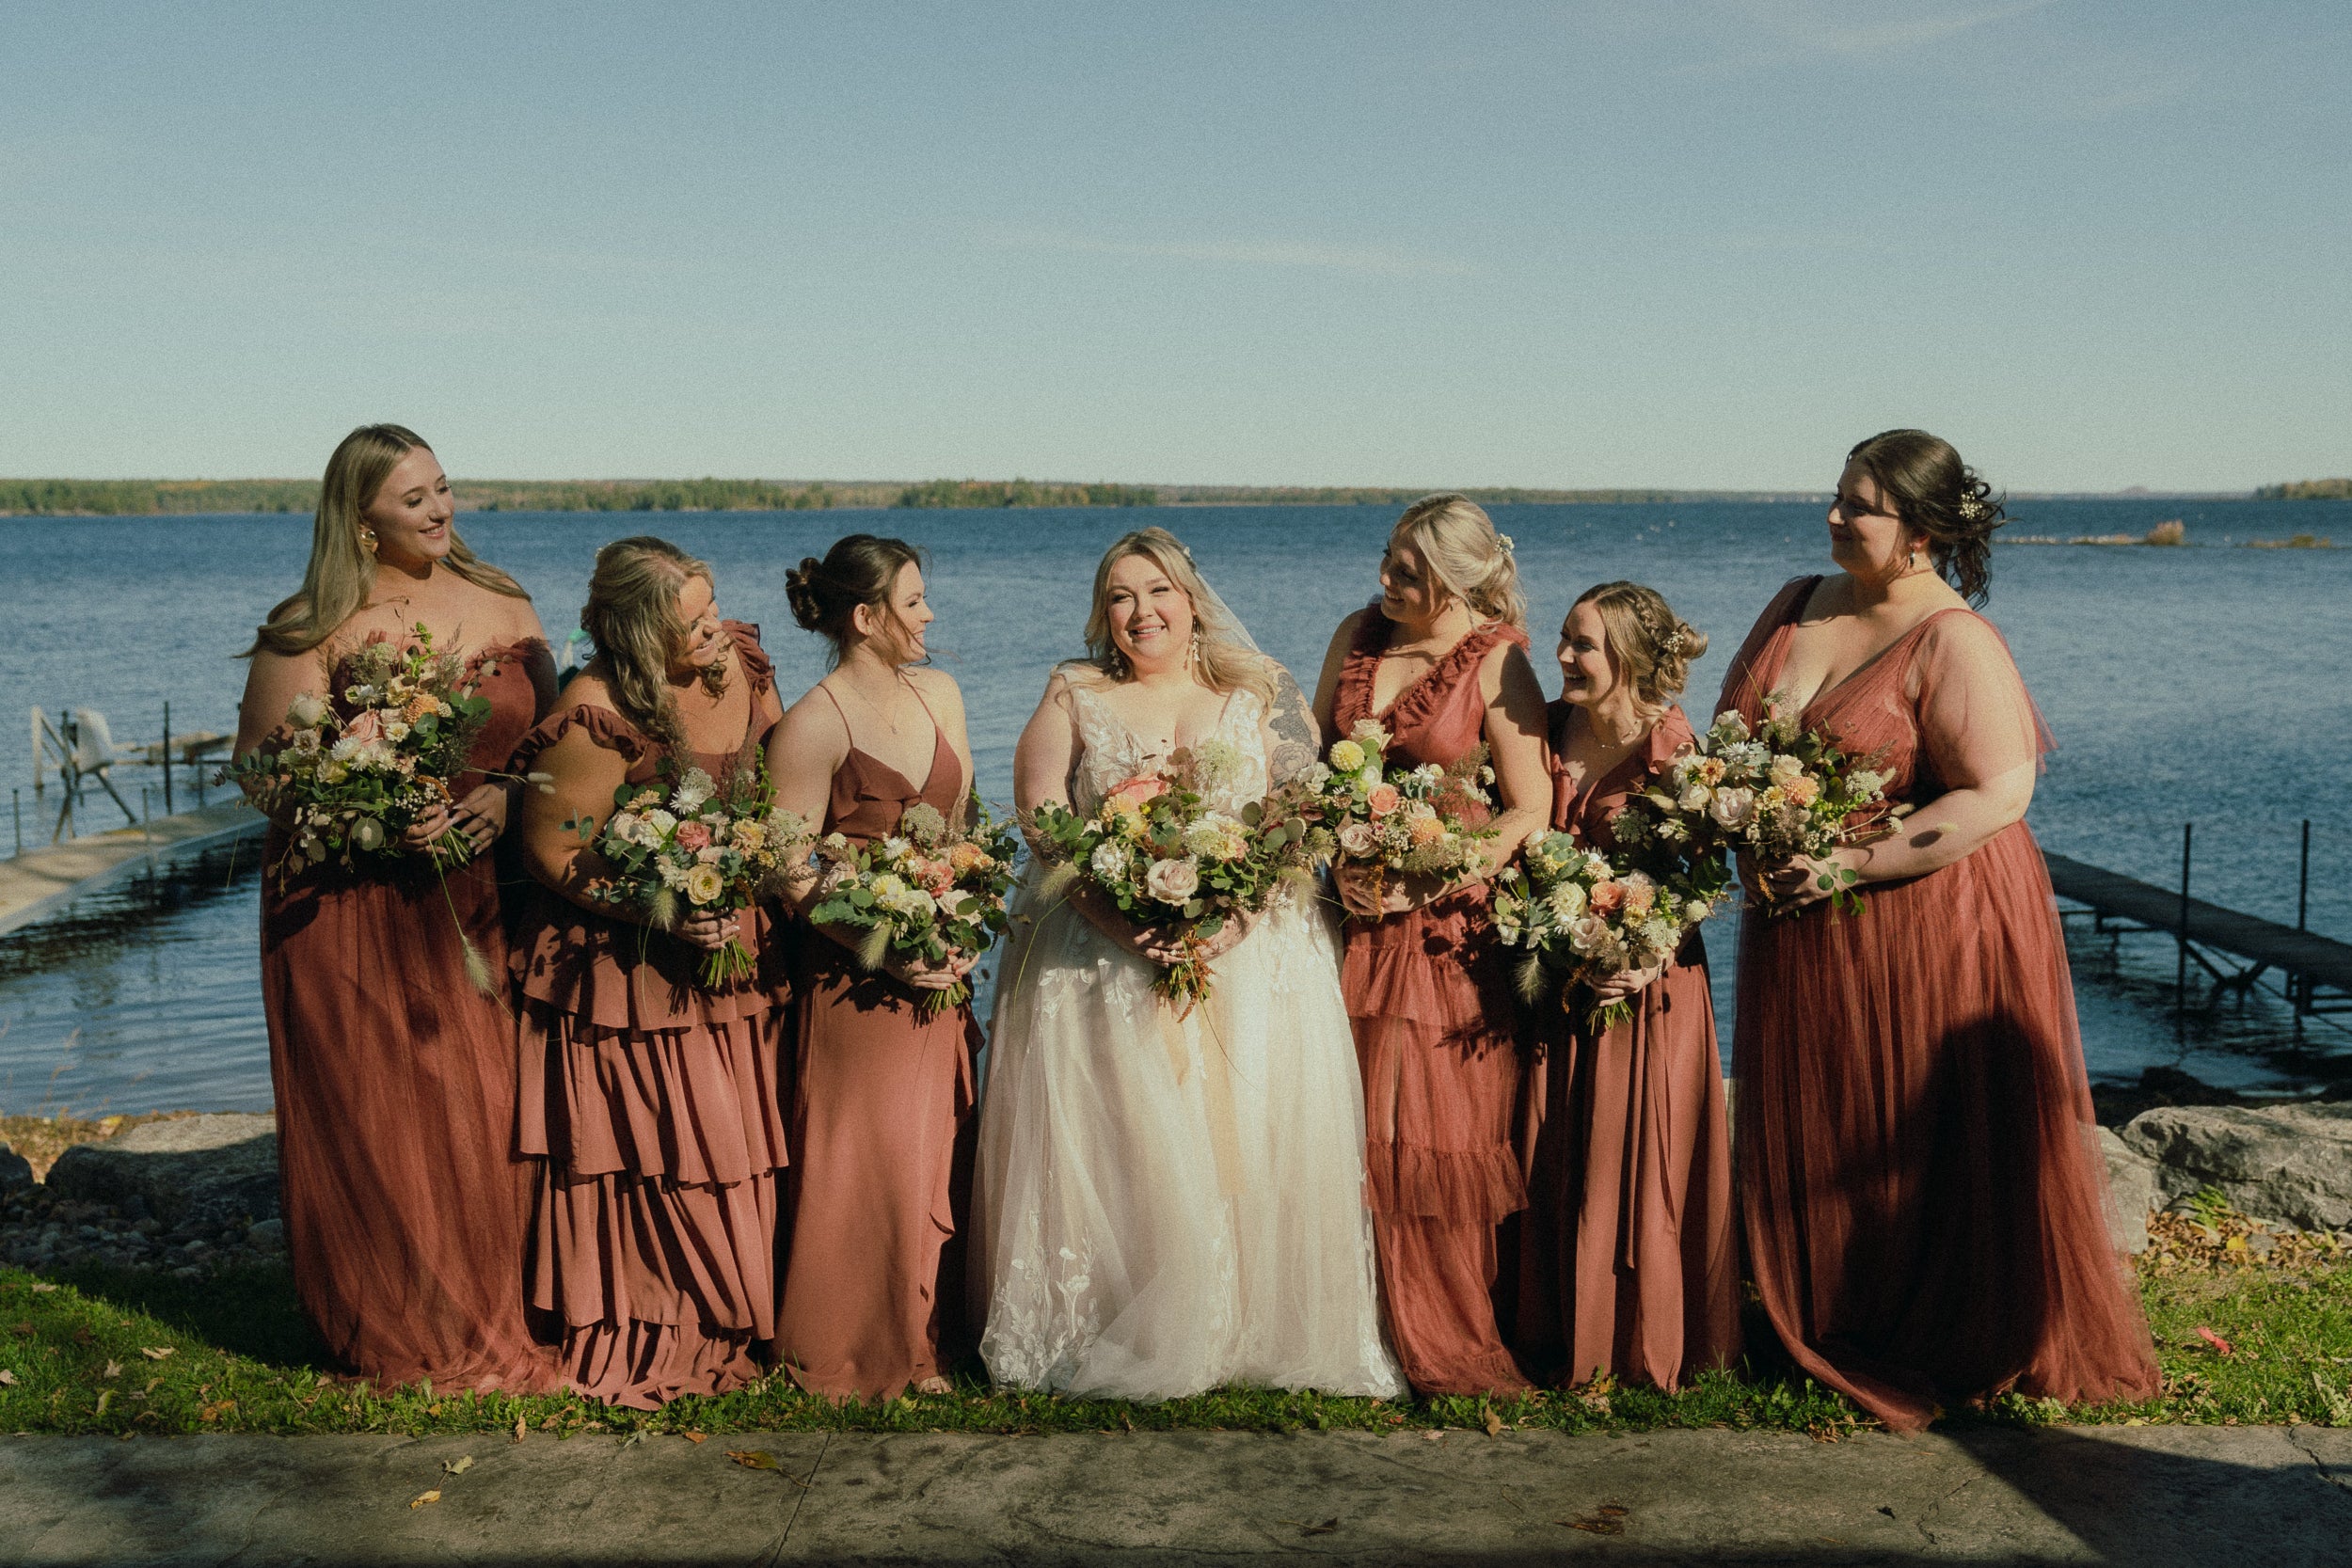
{"x": 39, "y": 882}
{"x": 2308, "y": 961}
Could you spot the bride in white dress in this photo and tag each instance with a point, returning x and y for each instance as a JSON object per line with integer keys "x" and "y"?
{"x": 1167, "y": 1205}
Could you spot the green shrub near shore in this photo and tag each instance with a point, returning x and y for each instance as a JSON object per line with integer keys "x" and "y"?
{"x": 2307, "y": 490}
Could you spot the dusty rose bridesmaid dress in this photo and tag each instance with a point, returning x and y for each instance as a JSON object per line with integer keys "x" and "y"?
{"x": 1429, "y": 997}
{"x": 1629, "y": 1262}
{"x": 1918, "y": 1172}
{"x": 881, "y": 1126}
{"x": 404, "y": 1200}
{"x": 652, "y": 1105}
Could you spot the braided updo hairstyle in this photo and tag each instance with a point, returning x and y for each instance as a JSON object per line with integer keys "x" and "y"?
{"x": 1926, "y": 486}
{"x": 1651, "y": 647}
{"x": 860, "y": 569}
{"x": 1473, "y": 561}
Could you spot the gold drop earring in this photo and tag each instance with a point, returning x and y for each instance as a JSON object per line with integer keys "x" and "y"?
{"x": 367, "y": 540}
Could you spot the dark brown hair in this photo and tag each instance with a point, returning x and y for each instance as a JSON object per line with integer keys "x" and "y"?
{"x": 860, "y": 569}
{"x": 1922, "y": 479}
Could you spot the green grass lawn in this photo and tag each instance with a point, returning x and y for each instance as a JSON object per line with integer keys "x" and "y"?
{"x": 126, "y": 1352}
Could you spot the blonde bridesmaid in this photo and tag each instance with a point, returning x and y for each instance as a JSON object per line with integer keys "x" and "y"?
{"x": 1629, "y": 1265}
{"x": 1439, "y": 661}
{"x": 650, "y": 1099}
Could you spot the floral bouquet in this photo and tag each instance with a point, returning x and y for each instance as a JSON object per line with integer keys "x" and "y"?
{"x": 356, "y": 772}
{"x": 1427, "y": 819}
{"x": 1159, "y": 852}
{"x": 927, "y": 890}
{"x": 688, "y": 847}
{"x": 1582, "y": 919}
{"x": 1778, "y": 792}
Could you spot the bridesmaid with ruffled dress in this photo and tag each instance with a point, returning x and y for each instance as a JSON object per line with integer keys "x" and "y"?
{"x": 650, "y": 1100}
{"x": 405, "y": 1201}
{"x": 1627, "y": 1263}
{"x": 1439, "y": 661}
{"x": 1920, "y": 1176}
{"x": 882, "y": 1094}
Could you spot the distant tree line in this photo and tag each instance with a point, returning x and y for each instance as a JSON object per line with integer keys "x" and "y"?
{"x": 135, "y": 497}
{"x": 2307, "y": 490}
{"x": 1023, "y": 491}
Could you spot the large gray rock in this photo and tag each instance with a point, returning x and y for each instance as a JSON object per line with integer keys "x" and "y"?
{"x": 2132, "y": 1182}
{"x": 215, "y": 1167}
{"x": 15, "y": 1170}
{"x": 2289, "y": 1164}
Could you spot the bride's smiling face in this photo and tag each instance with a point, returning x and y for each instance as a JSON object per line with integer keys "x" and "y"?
{"x": 1151, "y": 619}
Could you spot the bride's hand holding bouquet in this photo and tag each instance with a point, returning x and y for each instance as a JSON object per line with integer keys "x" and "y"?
{"x": 1184, "y": 879}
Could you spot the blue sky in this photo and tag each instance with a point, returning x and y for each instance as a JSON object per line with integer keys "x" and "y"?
{"x": 1680, "y": 243}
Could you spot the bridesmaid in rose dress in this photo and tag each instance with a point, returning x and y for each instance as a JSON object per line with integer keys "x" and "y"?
{"x": 405, "y": 1202}
{"x": 1439, "y": 661}
{"x": 881, "y": 1097}
{"x": 1924, "y": 1202}
{"x": 1628, "y": 1262}
{"x": 649, "y": 1099}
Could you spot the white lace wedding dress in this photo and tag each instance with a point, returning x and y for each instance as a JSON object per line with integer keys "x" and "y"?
{"x": 1164, "y": 1207}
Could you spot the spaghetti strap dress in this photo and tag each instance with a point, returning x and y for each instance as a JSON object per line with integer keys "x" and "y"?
{"x": 1628, "y": 1261}
{"x": 652, "y": 1105}
{"x": 1436, "y": 1021}
{"x": 404, "y": 1201}
{"x": 881, "y": 1124}
{"x": 1924, "y": 1201}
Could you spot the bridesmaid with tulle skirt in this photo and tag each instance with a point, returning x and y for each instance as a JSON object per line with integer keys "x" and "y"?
{"x": 1925, "y": 1204}
{"x": 651, "y": 1100}
{"x": 404, "y": 1201}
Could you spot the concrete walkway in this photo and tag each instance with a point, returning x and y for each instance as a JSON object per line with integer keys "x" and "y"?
{"x": 2150, "y": 1498}
{"x": 40, "y": 882}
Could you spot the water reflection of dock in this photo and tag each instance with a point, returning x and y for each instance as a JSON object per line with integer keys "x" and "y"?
{"x": 40, "y": 882}
{"x": 2317, "y": 969}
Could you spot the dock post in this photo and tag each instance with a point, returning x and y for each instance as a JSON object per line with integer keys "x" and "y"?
{"x": 167, "y": 756}
{"x": 2180, "y": 982}
{"x": 2303, "y": 882}
{"x": 147, "y": 835}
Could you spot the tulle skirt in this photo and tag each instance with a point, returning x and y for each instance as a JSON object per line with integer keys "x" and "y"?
{"x": 1925, "y": 1206}
{"x": 1164, "y": 1205}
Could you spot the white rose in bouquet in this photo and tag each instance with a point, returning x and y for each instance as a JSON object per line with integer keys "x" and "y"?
{"x": 1172, "y": 881}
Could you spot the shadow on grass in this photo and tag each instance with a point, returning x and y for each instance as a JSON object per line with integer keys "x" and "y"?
{"x": 250, "y": 1312}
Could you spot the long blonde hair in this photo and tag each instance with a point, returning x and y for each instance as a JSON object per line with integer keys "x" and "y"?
{"x": 1473, "y": 561}
{"x": 1650, "y": 644}
{"x": 341, "y": 572}
{"x": 1225, "y": 662}
{"x": 633, "y": 617}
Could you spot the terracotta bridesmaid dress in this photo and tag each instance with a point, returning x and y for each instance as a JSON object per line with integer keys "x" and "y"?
{"x": 652, "y": 1105}
{"x": 405, "y": 1201}
{"x": 882, "y": 1128}
{"x": 1918, "y": 1172}
{"x": 1629, "y": 1264}
{"x": 1436, "y": 1021}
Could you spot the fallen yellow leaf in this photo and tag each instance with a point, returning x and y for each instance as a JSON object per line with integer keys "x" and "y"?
{"x": 694, "y": 1436}
{"x": 423, "y": 1497}
{"x": 42, "y": 1286}
{"x": 158, "y": 1353}
{"x": 1494, "y": 1424}
{"x": 457, "y": 1466}
{"x": 753, "y": 1459}
{"x": 114, "y": 1369}
{"x": 103, "y": 1399}
{"x": 8, "y": 1378}
{"x": 521, "y": 1427}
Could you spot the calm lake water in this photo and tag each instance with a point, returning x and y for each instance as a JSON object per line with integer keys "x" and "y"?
{"x": 2204, "y": 684}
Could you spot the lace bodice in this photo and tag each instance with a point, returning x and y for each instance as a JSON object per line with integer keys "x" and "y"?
{"x": 1109, "y": 752}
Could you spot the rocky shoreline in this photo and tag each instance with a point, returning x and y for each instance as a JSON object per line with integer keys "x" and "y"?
{"x": 192, "y": 1194}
